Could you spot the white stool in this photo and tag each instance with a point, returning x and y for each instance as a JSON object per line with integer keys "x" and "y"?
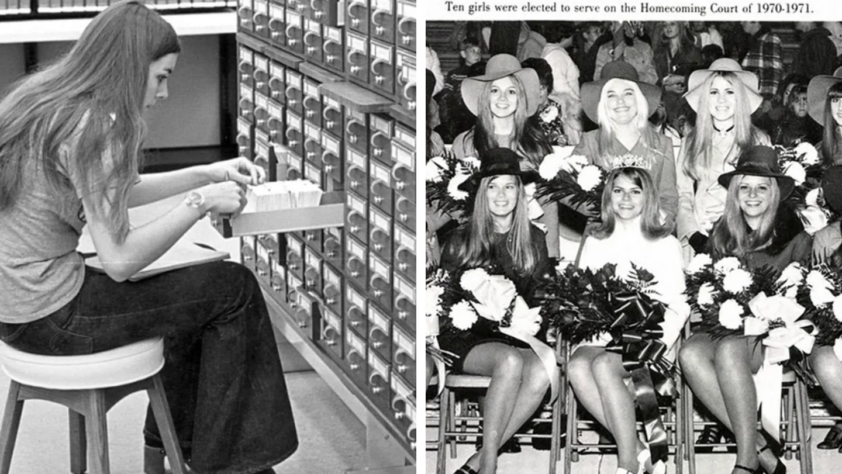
{"x": 89, "y": 385}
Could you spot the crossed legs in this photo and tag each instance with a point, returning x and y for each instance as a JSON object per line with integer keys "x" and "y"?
{"x": 518, "y": 384}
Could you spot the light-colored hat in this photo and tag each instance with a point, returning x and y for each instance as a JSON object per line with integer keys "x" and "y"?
{"x": 697, "y": 79}
{"x": 592, "y": 91}
{"x": 817, "y": 93}
{"x": 498, "y": 67}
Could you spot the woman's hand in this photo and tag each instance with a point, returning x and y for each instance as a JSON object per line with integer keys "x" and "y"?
{"x": 239, "y": 170}
{"x": 227, "y": 197}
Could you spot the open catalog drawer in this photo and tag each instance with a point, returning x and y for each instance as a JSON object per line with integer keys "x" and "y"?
{"x": 329, "y": 213}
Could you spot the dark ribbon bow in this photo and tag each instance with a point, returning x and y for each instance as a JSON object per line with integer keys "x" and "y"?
{"x": 636, "y": 335}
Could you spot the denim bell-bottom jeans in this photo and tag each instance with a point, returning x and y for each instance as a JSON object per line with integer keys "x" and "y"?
{"x": 222, "y": 376}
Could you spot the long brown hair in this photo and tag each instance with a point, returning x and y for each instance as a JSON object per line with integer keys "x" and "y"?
{"x": 650, "y": 218}
{"x": 830, "y": 136}
{"x": 87, "y": 107}
{"x": 697, "y": 159}
{"x": 476, "y": 249}
{"x": 526, "y": 139}
{"x": 731, "y": 236}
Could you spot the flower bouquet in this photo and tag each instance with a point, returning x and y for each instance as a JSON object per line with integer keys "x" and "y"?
{"x": 802, "y": 164}
{"x": 820, "y": 292}
{"x": 571, "y": 178}
{"x": 585, "y": 305}
{"x": 443, "y": 175}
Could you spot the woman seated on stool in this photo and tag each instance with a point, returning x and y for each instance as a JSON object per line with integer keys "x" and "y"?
{"x": 631, "y": 232}
{"x": 758, "y": 228}
{"x": 499, "y": 233}
{"x": 70, "y": 145}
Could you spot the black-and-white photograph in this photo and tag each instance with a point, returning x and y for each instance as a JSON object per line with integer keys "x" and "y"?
{"x": 207, "y": 236}
{"x": 633, "y": 246}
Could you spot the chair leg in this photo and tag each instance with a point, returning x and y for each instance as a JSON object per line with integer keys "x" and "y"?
{"x": 789, "y": 433}
{"x": 158, "y": 399}
{"x": 571, "y": 431}
{"x": 691, "y": 432}
{"x": 9, "y": 428}
{"x": 679, "y": 429}
{"x": 78, "y": 443}
{"x": 96, "y": 426}
{"x": 555, "y": 434}
{"x": 802, "y": 407}
{"x": 444, "y": 411}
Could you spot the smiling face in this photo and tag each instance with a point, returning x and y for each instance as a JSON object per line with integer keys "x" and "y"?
{"x": 722, "y": 99}
{"x": 627, "y": 198}
{"x": 502, "y": 193}
{"x": 156, "y": 83}
{"x": 620, "y": 100}
{"x": 503, "y": 97}
{"x": 754, "y": 195}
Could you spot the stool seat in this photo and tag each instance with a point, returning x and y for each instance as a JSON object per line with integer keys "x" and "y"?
{"x": 116, "y": 367}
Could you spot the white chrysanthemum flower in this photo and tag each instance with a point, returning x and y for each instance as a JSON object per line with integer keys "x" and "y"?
{"x": 705, "y": 296}
{"x": 549, "y": 114}
{"x": 730, "y": 314}
{"x": 815, "y": 279}
{"x": 432, "y": 296}
{"x": 837, "y": 308}
{"x": 821, "y": 296}
{"x": 796, "y": 171}
{"x": 792, "y": 276}
{"x": 551, "y": 165}
{"x": 472, "y": 279}
{"x": 737, "y": 281}
{"x": 463, "y": 315}
{"x": 453, "y": 186}
{"x": 698, "y": 263}
{"x": 434, "y": 169}
{"x": 807, "y": 153}
{"x": 589, "y": 178}
{"x": 727, "y": 265}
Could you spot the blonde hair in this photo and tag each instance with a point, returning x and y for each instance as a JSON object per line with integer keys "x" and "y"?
{"x": 607, "y": 127}
{"x": 697, "y": 156}
{"x": 731, "y": 236}
{"x": 650, "y": 218}
{"x": 476, "y": 250}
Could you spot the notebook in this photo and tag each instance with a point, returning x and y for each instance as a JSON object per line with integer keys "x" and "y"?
{"x": 180, "y": 255}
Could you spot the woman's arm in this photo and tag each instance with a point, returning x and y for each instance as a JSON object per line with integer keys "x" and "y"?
{"x": 667, "y": 186}
{"x": 671, "y": 288}
{"x": 686, "y": 224}
{"x": 153, "y": 187}
{"x": 144, "y": 244}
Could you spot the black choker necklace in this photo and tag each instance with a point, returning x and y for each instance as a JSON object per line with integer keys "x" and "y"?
{"x": 723, "y": 131}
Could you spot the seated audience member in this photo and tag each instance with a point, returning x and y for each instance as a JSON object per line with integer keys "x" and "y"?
{"x": 557, "y": 112}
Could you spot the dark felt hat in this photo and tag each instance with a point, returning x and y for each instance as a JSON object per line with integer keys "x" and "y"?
{"x": 760, "y": 161}
{"x": 498, "y": 162}
{"x": 591, "y": 91}
{"x": 832, "y": 188}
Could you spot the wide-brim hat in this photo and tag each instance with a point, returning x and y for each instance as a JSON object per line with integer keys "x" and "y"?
{"x": 498, "y": 67}
{"x": 817, "y": 93}
{"x": 760, "y": 161}
{"x": 697, "y": 80}
{"x": 498, "y": 162}
{"x": 832, "y": 188}
{"x": 592, "y": 91}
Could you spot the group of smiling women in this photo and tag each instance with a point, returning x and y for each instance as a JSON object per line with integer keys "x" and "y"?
{"x": 722, "y": 195}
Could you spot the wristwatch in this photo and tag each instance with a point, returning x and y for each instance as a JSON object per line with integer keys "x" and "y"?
{"x": 195, "y": 199}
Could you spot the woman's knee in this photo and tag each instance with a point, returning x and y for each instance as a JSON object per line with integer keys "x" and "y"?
{"x": 606, "y": 365}
{"x": 509, "y": 363}
{"x": 826, "y": 365}
{"x": 535, "y": 376}
{"x": 694, "y": 353}
{"x": 579, "y": 368}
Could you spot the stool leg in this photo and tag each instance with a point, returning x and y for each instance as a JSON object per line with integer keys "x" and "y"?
{"x": 9, "y": 428}
{"x": 158, "y": 399}
{"x": 96, "y": 425}
{"x": 78, "y": 443}
{"x": 444, "y": 423}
